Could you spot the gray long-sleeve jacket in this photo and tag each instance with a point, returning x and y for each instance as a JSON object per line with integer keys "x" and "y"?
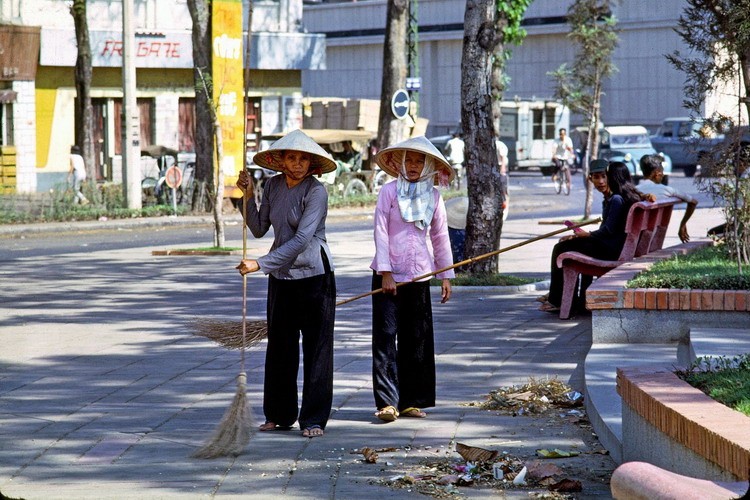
{"x": 298, "y": 216}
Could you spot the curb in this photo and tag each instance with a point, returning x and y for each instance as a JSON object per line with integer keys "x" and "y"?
{"x": 508, "y": 290}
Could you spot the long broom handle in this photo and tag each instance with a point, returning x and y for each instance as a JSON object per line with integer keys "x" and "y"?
{"x": 474, "y": 259}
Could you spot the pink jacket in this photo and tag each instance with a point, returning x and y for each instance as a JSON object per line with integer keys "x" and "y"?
{"x": 401, "y": 248}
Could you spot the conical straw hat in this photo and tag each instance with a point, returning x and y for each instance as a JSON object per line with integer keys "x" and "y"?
{"x": 391, "y": 157}
{"x": 298, "y": 141}
{"x": 456, "y": 210}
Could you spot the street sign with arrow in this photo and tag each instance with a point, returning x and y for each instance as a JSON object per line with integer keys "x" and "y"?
{"x": 400, "y": 104}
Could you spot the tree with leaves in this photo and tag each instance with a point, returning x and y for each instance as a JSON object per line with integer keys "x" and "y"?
{"x": 489, "y": 26}
{"x": 580, "y": 85}
{"x": 508, "y": 17}
{"x": 84, "y": 125}
{"x": 391, "y": 129}
{"x": 717, "y": 34}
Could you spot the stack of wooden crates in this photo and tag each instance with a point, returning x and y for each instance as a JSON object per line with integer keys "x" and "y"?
{"x": 7, "y": 169}
{"x": 341, "y": 114}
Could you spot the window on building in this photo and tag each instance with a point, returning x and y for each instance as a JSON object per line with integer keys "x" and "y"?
{"x": 538, "y": 124}
{"x": 549, "y": 123}
{"x": 544, "y": 123}
{"x": 186, "y": 132}
{"x": 6, "y": 124}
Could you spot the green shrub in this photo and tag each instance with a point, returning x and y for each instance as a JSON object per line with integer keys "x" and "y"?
{"x": 708, "y": 268}
{"x": 727, "y": 380}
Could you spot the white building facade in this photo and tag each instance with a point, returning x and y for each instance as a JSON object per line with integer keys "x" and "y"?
{"x": 645, "y": 89}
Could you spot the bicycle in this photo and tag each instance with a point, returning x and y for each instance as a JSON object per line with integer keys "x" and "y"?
{"x": 561, "y": 177}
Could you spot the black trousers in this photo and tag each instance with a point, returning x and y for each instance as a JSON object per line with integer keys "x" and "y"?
{"x": 403, "y": 347}
{"x": 593, "y": 247}
{"x": 305, "y": 306}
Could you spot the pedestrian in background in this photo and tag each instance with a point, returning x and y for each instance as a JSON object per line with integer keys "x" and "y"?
{"x": 301, "y": 282}
{"x": 409, "y": 211}
{"x": 77, "y": 174}
{"x": 653, "y": 174}
{"x": 454, "y": 151}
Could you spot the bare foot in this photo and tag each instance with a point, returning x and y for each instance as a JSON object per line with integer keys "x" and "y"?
{"x": 312, "y": 431}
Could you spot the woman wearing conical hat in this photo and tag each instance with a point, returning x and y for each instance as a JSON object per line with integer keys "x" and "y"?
{"x": 409, "y": 211}
{"x": 301, "y": 283}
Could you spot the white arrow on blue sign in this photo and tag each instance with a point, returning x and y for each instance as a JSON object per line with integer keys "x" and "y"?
{"x": 400, "y": 104}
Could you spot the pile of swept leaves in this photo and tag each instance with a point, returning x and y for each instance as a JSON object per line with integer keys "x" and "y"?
{"x": 483, "y": 468}
{"x": 535, "y": 397}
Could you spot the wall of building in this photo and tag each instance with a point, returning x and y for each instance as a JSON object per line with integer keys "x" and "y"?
{"x": 44, "y": 111}
{"x": 644, "y": 90}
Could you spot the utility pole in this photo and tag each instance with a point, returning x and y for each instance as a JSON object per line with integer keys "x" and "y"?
{"x": 413, "y": 81}
{"x": 131, "y": 124}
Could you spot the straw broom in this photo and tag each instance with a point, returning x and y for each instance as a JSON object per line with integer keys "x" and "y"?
{"x": 229, "y": 335}
{"x": 233, "y": 432}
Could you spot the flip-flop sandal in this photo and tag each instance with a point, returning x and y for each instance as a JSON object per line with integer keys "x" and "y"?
{"x": 413, "y": 412}
{"x": 387, "y": 414}
{"x": 312, "y": 431}
{"x": 543, "y": 298}
{"x": 547, "y": 307}
{"x": 270, "y": 427}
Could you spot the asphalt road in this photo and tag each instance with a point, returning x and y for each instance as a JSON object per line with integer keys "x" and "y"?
{"x": 532, "y": 196}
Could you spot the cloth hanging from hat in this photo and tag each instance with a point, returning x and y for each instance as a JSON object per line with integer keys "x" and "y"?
{"x": 416, "y": 200}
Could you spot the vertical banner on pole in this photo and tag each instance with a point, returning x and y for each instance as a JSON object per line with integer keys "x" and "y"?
{"x": 228, "y": 92}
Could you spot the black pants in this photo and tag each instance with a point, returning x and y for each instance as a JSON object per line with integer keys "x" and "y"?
{"x": 305, "y": 306}
{"x": 403, "y": 347}
{"x": 593, "y": 247}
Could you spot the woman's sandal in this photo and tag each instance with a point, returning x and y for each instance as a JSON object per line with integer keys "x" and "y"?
{"x": 543, "y": 298}
{"x": 387, "y": 414}
{"x": 547, "y": 307}
{"x": 271, "y": 426}
{"x": 413, "y": 412}
{"x": 312, "y": 431}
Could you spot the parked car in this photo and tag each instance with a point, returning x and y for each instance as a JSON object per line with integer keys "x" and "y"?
{"x": 628, "y": 144}
{"x": 685, "y": 141}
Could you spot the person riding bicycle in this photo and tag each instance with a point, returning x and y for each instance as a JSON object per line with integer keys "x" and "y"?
{"x": 563, "y": 155}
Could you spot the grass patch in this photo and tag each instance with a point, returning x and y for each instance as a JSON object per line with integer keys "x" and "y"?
{"x": 726, "y": 380}
{"x": 210, "y": 249}
{"x": 486, "y": 280}
{"x": 708, "y": 268}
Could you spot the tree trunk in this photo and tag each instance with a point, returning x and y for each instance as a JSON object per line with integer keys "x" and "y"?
{"x": 498, "y": 80}
{"x": 390, "y": 128}
{"x": 204, "y": 133}
{"x": 745, "y": 68}
{"x": 592, "y": 144}
{"x": 484, "y": 218}
{"x": 219, "y": 187}
{"x": 84, "y": 126}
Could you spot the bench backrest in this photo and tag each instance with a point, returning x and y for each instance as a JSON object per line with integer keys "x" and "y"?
{"x": 646, "y": 227}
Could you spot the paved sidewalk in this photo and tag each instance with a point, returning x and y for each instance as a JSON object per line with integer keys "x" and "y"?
{"x": 105, "y": 392}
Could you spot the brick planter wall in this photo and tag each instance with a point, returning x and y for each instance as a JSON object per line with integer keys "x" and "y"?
{"x": 649, "y": 315}
{"x": 669, "y": 423}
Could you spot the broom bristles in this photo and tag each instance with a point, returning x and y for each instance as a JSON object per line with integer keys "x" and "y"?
{"x": 229, "y": 333}
{"x": 233, "y": 432}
